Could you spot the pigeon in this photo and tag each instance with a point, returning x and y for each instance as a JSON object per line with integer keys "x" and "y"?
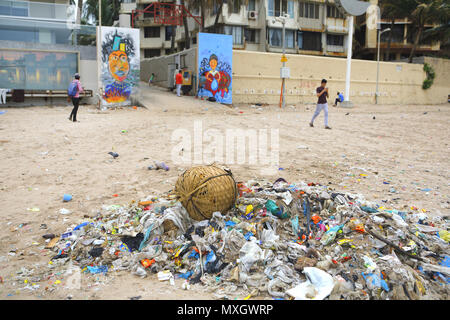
{"x": 347, "y": 113}
{"x": 115, "y": 155}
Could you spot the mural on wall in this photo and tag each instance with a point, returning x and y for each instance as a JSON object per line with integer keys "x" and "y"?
{"x": 215, "y": 53}
{"x": 120, "y": 65}
{"x": 37, "y": 70}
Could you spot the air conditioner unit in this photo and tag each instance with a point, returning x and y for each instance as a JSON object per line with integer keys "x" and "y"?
{"x": 252, "y": 15}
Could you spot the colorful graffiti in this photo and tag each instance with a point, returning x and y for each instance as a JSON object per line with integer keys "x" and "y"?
{"x": 215, "y": 52}
{"x": 120, "y": 65}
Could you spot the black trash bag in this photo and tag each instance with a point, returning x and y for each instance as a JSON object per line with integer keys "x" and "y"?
{"x": 133, "y": 243}
{"x": 96, "y": 252}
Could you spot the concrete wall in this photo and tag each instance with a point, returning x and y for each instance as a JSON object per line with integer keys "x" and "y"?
{"x": 256, "y": 78}
{"x": 159, "y": 66}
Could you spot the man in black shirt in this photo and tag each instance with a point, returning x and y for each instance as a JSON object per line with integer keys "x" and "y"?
{"x": 322, "y": 94}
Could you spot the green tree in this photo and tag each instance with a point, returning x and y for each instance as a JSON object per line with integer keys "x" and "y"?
{"x": 395, "y": 9}
{"x": 426, "y": 12}
{"x": 110, "y": 11}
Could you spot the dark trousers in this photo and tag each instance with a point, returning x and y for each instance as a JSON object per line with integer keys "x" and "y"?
{"x": 73, "y": 114}
{"x": 336, "y": 102}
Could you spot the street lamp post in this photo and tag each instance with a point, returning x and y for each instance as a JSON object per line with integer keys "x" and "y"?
{"x": 282, "y": 20}
{"x": 378, "y": 61}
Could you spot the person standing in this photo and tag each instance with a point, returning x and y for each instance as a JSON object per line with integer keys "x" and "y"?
{"x": 74, "y": 92}
{"x": 322, "y": 94}
{"x": 179, "y": 82}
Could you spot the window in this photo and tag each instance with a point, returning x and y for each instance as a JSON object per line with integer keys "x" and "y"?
{"x": 152, "y": 32}
{"x": 289, "y": 38}
{"x": 309, "y": 41}
{"x": 236, "y": 6}
{"x": 252, "y": 35}
{"x": 169, "y": 30}
{"x": 335, "y": 40}
{"x": 149, "y": 53}
{"x": 278, "y": 7}
{"x": 251, "y": 5}
{"x": 275, "y": 37}
{"x": 236, "y": 32}
{"x": 309, "y": 10}
{"x": 333, "y": 12}
{"x": 397, "y": 33}
{"x": 290, "y": 10}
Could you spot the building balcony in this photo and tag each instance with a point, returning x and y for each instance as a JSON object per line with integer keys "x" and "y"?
{"x": 37, "y": 10}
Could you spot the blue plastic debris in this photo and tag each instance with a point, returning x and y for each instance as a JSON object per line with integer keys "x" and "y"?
{"x": 194, "y": 254}
{"x": 375, "y": 280}
{"x": 230, "y": 223}
{"x": 186, "y": 275}
{"x": 99, "y": 269}
{"x": 248, "y": 235}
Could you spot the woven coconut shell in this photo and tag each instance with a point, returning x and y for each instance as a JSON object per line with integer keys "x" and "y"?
{"x": 204, "y": 190}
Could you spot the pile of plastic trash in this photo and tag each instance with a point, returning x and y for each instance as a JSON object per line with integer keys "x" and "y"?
{"x": 280, "y": 241}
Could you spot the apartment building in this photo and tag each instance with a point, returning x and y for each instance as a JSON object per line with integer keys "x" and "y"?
{"x": 35, "y": 21}
{"x": 155, "y": 37}
{"x": 313, "y": 27}
{"x": 401, "y": 42}
{"x": 41, "y": 47}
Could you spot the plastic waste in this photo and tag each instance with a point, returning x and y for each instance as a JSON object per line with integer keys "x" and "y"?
{"x": 374, "y": 281}
{"x": 249, "y": 254}
{"x": 330, "y": 235}
{"x": 318, "y": 286}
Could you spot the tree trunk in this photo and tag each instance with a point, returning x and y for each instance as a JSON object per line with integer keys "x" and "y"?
{"x": 416, "y": 44}
{"x": 202, "y": 14}
{"x": 80, "y": 9}
{"x": 187, "y": 40}
{"x": 219, "y": 12}
{"x": 388, "y": 49}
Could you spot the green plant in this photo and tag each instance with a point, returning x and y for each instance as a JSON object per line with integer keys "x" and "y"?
{"x": 430, "y": 76}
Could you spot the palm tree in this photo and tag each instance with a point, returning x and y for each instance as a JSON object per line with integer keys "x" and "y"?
{"x": 426, "y": 12}
{"x": 442, "y": 31}
{"x": 110, "y": 11}
{"x": 187, "y": 40}
{"x": 395, "y": 9}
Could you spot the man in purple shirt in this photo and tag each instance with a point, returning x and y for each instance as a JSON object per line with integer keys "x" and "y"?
{"x": 76, "y": 98}
{"x": 322, "y": 94}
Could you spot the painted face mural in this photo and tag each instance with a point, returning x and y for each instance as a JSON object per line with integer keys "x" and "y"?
{"x": 118, "y": 65}
{"x": 215, "y": 54}
{"x": 120, "y": 72}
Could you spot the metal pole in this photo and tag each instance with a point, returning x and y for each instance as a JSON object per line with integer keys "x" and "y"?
{"x": 99, "y": 45}
{"x": 378, "y": 65}
{"x": 349, "y": 58}
{"x": 284, "y": 63}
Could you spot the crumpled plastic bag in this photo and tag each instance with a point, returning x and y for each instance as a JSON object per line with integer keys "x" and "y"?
{"x": 269, "y": 239}
{"x": 249, "y": 254}
{"x": 318, "y": 285}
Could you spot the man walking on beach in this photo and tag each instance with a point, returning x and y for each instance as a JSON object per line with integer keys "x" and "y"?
{"x": 74, "y": 92}
{"x": 179, "y": 82}
{"x": 322, "y": 94}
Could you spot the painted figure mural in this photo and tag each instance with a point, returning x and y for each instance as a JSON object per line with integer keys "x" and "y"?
{"x": 120, "y": 69}
{"x": 215, "y": 66}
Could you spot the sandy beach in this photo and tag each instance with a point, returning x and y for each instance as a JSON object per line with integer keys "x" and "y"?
{"x": 395, "y": 155}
